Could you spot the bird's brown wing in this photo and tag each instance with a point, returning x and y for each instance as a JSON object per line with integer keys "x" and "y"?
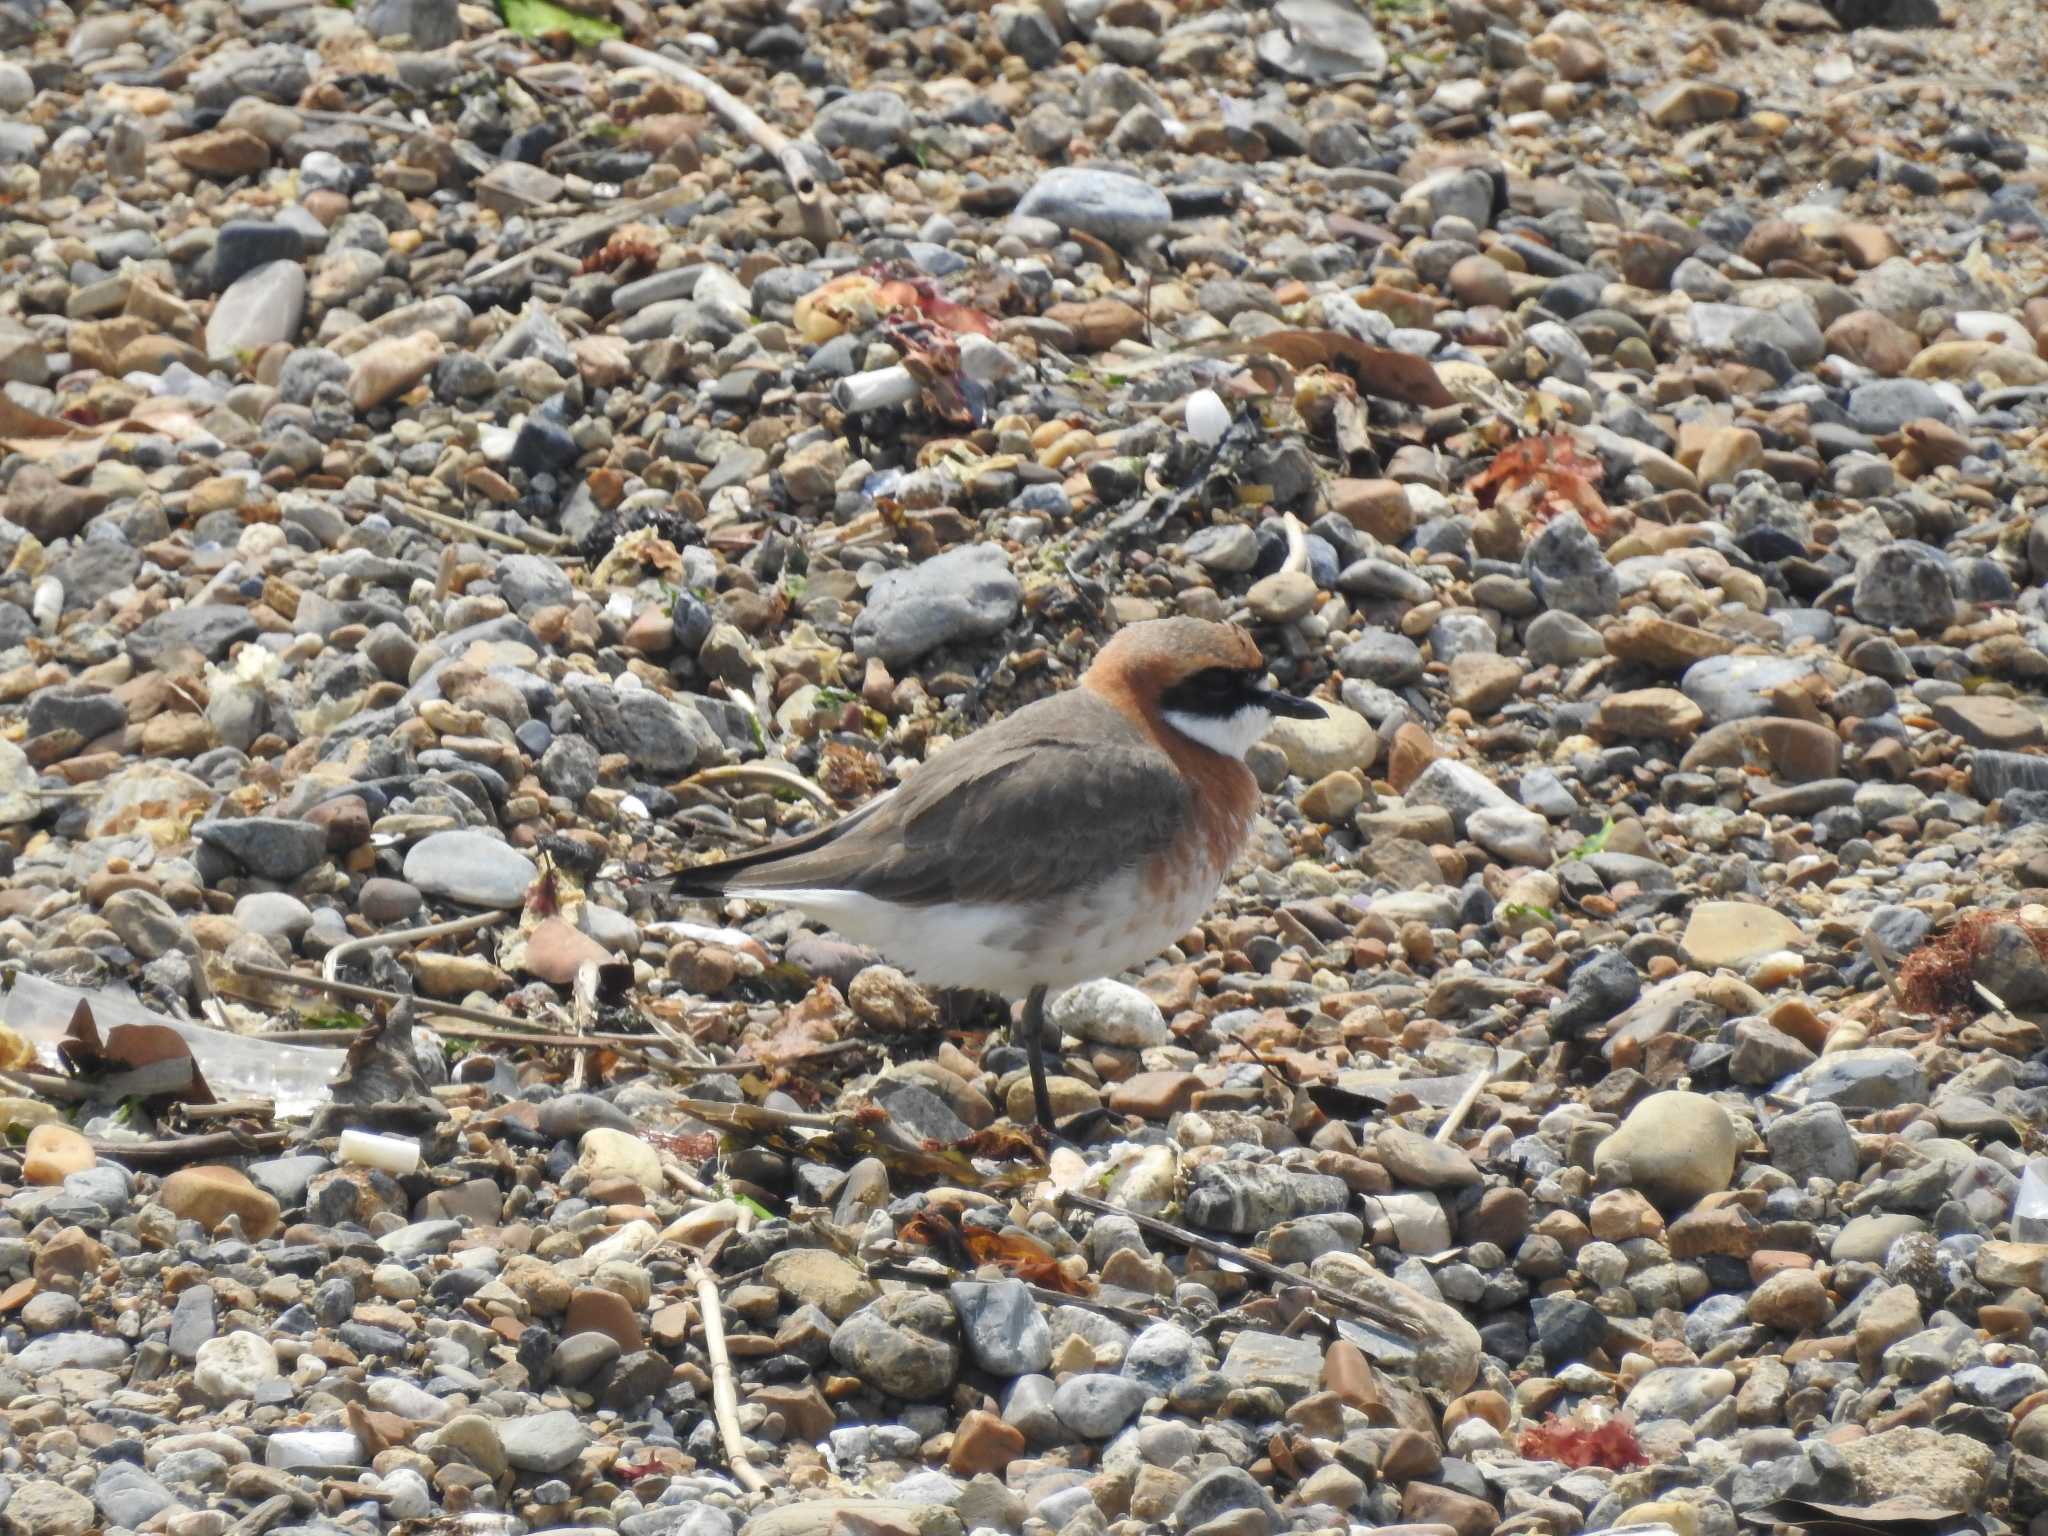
{"x": 1057, "y": 797}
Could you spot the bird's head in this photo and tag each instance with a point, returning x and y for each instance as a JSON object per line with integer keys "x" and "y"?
{"x": 1206, "y": 681}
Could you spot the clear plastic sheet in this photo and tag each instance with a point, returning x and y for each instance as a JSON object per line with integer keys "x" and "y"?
{"x": 2030, "y": 1205}
{"x": 295, "y": 1078}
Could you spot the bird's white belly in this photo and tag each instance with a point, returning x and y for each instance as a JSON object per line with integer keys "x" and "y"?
{"x": 1010, "y": 948}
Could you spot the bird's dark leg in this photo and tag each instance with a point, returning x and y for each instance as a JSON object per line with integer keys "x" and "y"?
{"x": 1034, "y": 1047}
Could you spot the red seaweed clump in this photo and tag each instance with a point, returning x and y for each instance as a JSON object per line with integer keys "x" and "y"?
{"x": 1580, "y": 1441}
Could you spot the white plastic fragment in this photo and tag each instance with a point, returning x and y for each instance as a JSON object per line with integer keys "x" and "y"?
{"x": 47, "y": 605}
{"x": 875, "y": 390}
{"x": 2030, "y": 1206}
{"x": 312, "y": 1449}
{"x": 295, "y": 1078}
{"x": 395, "y": 1155}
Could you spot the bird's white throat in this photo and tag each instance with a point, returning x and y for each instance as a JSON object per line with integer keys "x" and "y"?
{"x": 1232, "y": 735}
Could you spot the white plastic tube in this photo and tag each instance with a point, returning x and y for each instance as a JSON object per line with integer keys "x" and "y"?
{"x": 875, "y": 390}
{"x": 395, "y": 1155}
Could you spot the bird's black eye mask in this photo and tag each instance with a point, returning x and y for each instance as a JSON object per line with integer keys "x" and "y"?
{"x": 1221, "y": 692}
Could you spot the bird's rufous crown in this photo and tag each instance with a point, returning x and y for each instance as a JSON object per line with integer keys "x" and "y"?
{"x": 1150, "y": 657}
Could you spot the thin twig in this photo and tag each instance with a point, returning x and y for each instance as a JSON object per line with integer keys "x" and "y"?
{"x": 813, "y": 202}
{"x": 1297, "y": 545}
{"x": 1998, "y": 1005}
{"x": 752, "y": 1117}
{"x": 865, "y": 527}
{"x": 357, "y": 991}
{"x": 631, "y": 1048}
{"x": 1130, "y": 1317}
{"x": 751, "y": 1064}
{"x": 725, "y": 1404}
{"x": 690, "y": 1183}
{"x": 1914, "y": 82}
{"x": 456, "y": 527}
{"x": 582, "y": 1015}
{"x": 1873, "y": 946}
{"x": 340, "y": 1039}
{"x": 582, "y": 229}
{"x": 367, "y": 120}
{"x": 765, "y": 773}
{"x": 1462, "y": 1108}
{"x": 628, "y": 1047}
{"x": 476, "y": 160}
{"x": 330, "y": 968}
{"x": 1246, "y": 1260}
{"x": 510, "y": 1029}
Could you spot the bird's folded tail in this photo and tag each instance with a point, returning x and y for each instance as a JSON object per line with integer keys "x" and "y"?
{"x": 706, "y": 882}
{"x": 716, "y": 878}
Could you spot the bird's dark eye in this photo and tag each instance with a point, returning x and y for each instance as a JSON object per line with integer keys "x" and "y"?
{"x": 1212, "y": 691}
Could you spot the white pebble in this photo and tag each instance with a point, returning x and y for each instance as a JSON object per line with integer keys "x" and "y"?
{"x": 408, "y": 1497}
{"x": 234, "y": 1366}
{"x": 1472, "y": 1436}
{"x": 1984, "y": 325}
{"x": 1777, "y": 968}
{"x": 1207, "y": 417}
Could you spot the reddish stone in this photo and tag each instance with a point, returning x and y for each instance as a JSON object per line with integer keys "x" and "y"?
{"x": 557, "y": 949}
{"x": 806, "y": 1414}
{"x": 592, "y": 1309}
{"x": 1766, "y": 1262}
{"x": 1410, "y": 1456}
{"x": 345, "y": 819}
{"x": 1154, "y": 1095}
{"x": 984, "y": 1443}
{"x": 1428, "y": 1504}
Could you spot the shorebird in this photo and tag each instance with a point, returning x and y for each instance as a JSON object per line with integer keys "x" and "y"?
{"x": 1071, "y": 840}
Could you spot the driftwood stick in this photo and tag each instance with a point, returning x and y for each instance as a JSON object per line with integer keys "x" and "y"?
{"x": 1246, "y": 1260}
{"x": 234, "y": 1109}
{"x": 725, "y": 1403}
{"x": 190, "y": 1149}
{"x": 820, "y": 223}
{"x": 46, "y": 1085}
{"x": 263, "y": 1516}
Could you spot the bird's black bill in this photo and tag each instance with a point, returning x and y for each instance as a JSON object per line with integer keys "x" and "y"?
{"x": 1287, "y": 706}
